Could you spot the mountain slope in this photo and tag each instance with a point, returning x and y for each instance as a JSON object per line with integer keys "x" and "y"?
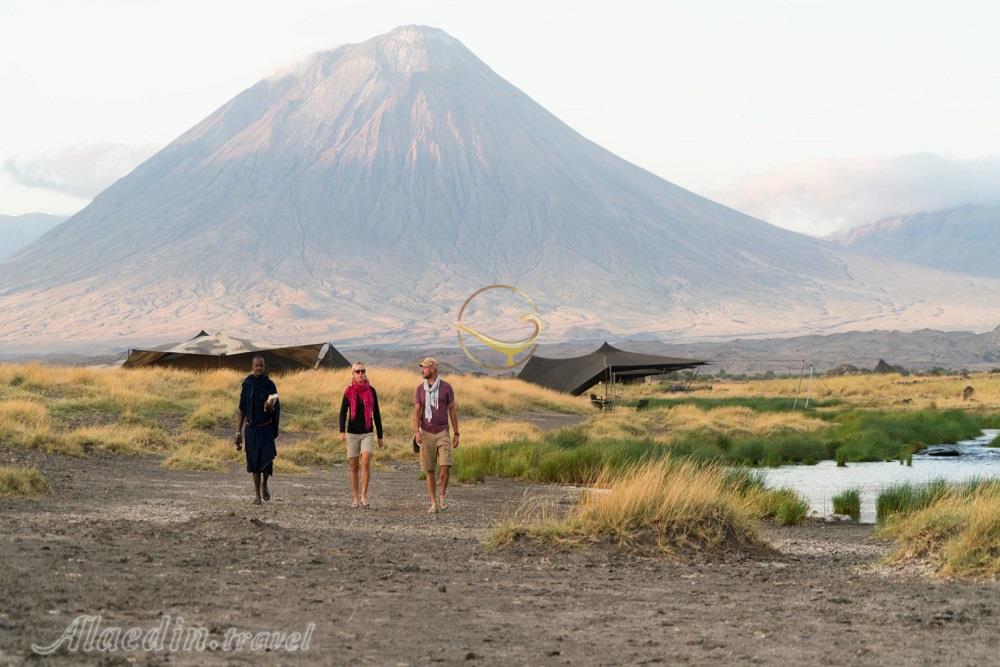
{"x": 366, "y": 194}
{"x": 963, "y": 240}
{"x": 17, "y": 231}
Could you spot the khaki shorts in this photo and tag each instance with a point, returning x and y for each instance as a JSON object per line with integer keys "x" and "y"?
{"x": 435, "y": 448}
{"x": 360, "y": 442}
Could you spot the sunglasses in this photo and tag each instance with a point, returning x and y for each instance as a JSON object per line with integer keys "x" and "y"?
{"x": 361, "y": 371}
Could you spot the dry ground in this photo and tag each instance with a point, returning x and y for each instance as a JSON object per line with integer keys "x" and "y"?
{"x": 130, "y": 540}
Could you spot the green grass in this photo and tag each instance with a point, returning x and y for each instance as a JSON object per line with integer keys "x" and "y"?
{"x": 848, "y": 502}
{"x": 756, "y": 403}
{"x": 995, "y": 442}
{"x": 906, "y": 498}
{"x": 570, "y": 457}
{"x": 562, "y": 457}
{"x": 951, "y": 527}
{"x": 792, "y": 511}
{"x": 16, "y": 481}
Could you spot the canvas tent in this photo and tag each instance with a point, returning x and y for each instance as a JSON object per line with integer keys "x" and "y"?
{"x": 575, "y": 375}
{"x": 210, "y": 351}
{"x": 883, "y": 367}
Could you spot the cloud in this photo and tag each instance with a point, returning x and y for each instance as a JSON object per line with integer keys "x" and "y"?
{"x": 81, "y": 171}
{"x": 823, "y": 197}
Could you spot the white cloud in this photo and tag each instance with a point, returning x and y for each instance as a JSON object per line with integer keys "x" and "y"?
{"x": 81, "y": 171}
{"x": 822, "y": 197}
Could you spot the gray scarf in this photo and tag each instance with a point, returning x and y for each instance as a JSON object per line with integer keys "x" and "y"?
{"x": 431, "y": 397}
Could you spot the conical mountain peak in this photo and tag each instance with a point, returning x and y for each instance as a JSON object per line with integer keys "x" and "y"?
{"x": 404, "y": 50}
{"x": 370, "y": 191}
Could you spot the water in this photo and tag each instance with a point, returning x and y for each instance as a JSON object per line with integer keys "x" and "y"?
{"x": 819, "y": 483}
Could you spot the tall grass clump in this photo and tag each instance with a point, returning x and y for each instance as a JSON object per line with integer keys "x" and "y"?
{"x": 848, "y": 502}
{"x": 667, "y": 507}
{"x": 906, "y": 497}
{"x": 791, "y": 511}
{"x": 957, "y": 532}
{"x": 15, "y": 481}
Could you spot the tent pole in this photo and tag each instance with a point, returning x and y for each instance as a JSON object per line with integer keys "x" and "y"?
{"x": 799, "y": 390}
{"x": 809, "y": 386}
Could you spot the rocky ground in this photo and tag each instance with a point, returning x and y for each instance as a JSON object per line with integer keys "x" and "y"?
{"x": 130, "y": 541}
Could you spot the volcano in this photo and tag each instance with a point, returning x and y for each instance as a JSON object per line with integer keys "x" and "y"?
{"x": 362, "y": 195}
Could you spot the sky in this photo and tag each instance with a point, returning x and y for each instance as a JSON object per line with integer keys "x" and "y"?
{"x": 815, "y": 115}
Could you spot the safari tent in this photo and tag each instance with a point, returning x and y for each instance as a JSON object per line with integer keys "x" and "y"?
{"x": 575, "y": 375}
{"x": 883, "y": 367}
{"x": 211, "y": 351}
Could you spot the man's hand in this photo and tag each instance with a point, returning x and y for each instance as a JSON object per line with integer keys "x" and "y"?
{"x": 239, "y": 441}
{"x": 416, "y": 436}
{"x": 343, "y": 436}
{"x": 381, "y": 443}
{"x": 454, "y": 441}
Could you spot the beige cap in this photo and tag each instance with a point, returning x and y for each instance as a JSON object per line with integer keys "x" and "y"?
{"x": 429, "y": 361}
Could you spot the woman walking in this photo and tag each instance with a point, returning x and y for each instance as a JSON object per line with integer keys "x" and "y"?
{"x": 360, "y": 424}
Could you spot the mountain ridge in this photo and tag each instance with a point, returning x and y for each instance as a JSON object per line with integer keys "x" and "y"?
{"x": 364, "y": 195}
{"x": 964, "y": 239}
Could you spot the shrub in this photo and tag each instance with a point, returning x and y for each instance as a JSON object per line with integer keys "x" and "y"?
{"x": 848, "y": 502}
{"x": 15, "y": 481}
{"x": 791, "y": 511}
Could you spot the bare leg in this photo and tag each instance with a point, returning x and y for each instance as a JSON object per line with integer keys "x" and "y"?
{"x": 432, "y": 491}
{"x": 445, "y": 474}
{"x": 353, "y": 464}
{"x": 256, "y": 487}
{"x": 366, "y": 461}
{"x": 265, "y": 492}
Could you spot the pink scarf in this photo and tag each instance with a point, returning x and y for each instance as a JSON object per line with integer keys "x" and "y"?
{"x": 361, "y": 390}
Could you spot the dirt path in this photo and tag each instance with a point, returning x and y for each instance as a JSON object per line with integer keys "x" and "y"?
{"x": 131, "y": 541}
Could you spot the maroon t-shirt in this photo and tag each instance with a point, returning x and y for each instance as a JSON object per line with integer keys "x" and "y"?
{"x": 439, "y": 415}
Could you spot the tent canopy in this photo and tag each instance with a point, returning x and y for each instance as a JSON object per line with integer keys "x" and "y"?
{"x": 210, "y": 351}
{"x": 576, "y": 375}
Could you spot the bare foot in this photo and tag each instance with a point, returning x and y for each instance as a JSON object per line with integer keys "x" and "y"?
{"x": 433, "y": 509}
{"x": 442, "y": 505}
{"x": 256, "y": 501}
{"x": 364, "y": 502}
{"x": 354, "y": 504}
{"x": 266, "y": 494}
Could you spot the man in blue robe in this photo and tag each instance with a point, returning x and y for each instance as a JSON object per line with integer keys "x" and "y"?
{"x": 258, "y": 426}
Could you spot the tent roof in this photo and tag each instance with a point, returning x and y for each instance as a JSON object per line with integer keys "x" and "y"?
{"x": 575, "y": 375}
{"x": 221, "y": 350}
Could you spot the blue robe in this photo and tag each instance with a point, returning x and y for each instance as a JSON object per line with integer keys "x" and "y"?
{"x": 261, "y": 427}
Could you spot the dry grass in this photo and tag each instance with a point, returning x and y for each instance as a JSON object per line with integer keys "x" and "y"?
{"x": 190, "y": 416}
{"x": 663, "y": 423}
{"x": 16, "y": 481}
{"x": 878, "y": 391}
{"x": 667, "y": 507}
{"x": 958, "y": 534}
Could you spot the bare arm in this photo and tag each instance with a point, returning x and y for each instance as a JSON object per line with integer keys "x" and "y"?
{"x": 453, "y": 413}
{"x": 239, "y": 429}
{"x": 416, "y": 423}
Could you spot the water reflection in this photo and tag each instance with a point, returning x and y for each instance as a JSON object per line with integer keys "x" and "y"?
{"x": 819, "y": 483}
